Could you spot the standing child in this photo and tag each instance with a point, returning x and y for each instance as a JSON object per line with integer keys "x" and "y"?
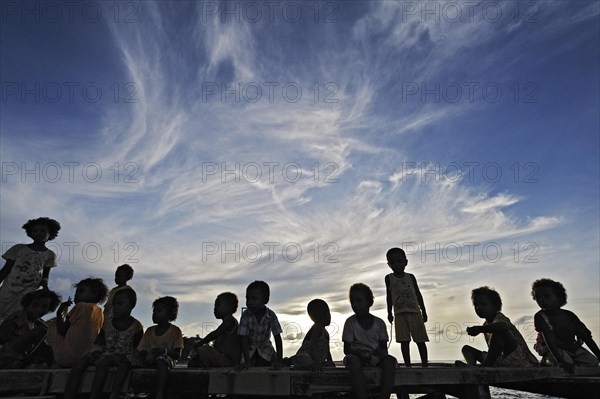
{"x": 118, "y": 338}
{"x": 27, "y": 266}
{"x": 409, "y": 309}
{"x": 562, "y": 333}
{"x": 507, "y": 348}
{"x": 72, "y": 334}
{"x": 256, "y": 325}
{"x": 227, "y": 349}
{"x": 161, "y": 344}
{"x": 314, "y": 352}
{"x": 365, "y": 343}
{"x": 123, "y": 274}
{"x": 23, "y": 331}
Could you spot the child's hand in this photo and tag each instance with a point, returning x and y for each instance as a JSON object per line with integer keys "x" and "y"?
{"x": 390, "y": 317}
{"x": 64, "y": 306}
{"x": 316, "y": 367}
{"x": 424, "y": 317}
{"x": 474, "y": 331}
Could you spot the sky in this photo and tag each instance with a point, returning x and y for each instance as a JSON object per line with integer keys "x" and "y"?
{"x": 210, "y": 144}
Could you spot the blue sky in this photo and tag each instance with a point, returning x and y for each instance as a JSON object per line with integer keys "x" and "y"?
{"x": 210, "y": 144}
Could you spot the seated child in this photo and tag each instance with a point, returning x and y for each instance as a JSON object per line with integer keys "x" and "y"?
{"x": 161, "y": 344}
{"x": 562, "y": 333}
{"x": 23, "y": 331}
{"x": 72, "y": 334}
{"x": 227, "y": 349}
{"x": 118, "y": 338}
{"x": 507, "y": 348}
{"x": 365, "y": 343}
{"x": 256, "y": 325}
{"x": 123, "y": 274}
{"x": 314, "y": 352}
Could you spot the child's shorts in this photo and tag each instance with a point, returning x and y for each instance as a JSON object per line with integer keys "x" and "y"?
{"x": 207, "y": 356}
{"x": 407, "y": 324}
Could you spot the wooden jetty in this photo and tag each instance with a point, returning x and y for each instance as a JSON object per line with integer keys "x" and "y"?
{"x": 464, "y": 383}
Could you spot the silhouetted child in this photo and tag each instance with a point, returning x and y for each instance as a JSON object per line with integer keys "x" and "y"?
{"x": 562, "y": 333}
{"x": 123, "y": 274}
{"x": 27, "y": 266}
{"x": 365, "y": 343}
{"x": 314, "y": 352}
{"x": 23, "y": 331}
{"x": 507, "y": 348}
{"x": 404, "y": 296}
{"x": 72, "y": 334}
{"x": 161, "y": 344}
{"x": 256, "y": 326}
{"x": 118, "y": 339}
{"x": 227, "y": 348}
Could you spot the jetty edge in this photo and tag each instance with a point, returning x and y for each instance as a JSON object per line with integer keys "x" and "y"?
{"x": 462, "y": 382}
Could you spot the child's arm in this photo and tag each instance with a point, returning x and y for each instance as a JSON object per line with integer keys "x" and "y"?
{"x": 245, "y": 351}
{"x": 6, "y": 269}
{"x": 227, "y": 325}
{"x": 420, "y": 298}
{"x": 586, "y": 336}
{"x": 45, "y": 275}
{"x": 278, "y": 350}
{"x": 62, "y": 321}
{"x": 388, "y": 298}
{"x": 489, "y": 328}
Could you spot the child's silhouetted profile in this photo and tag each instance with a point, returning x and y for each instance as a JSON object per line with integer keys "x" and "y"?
{"x": 123, "y": 274}
{"x": 562, "y": 334}
{"x": 257, "y": 324}
{"x": 507, "y": 348}
{"x": 314, "y": 352}
{"x": 405, "y": 299}
{"x": 227, "y": 348}
{"x": 72, "y": 334}
{"x": 22, "y": 332}
{"x": 365, "y": 343}
{"x": 27, "y": 266}
{"x": 162, "y": 343}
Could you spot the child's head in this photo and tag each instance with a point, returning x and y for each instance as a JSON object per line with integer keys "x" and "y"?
{"x": 91, "y": 290}
{"x": 164, "y": 309}
{"x": 40, "y": 302}
{"x": 123, "y": 274}
{"x": 41, "y": 229}
{"x": 549, "y": 294}
{"x": 123, "y": 302}
{"x": 486, "y": 301}
{"x": 225, "y": 305}
{"x": 396, "y": 260}
{"x": 319, "y": 312}
{"x": 257, "y": 295}
{"x": 361, "y": 298}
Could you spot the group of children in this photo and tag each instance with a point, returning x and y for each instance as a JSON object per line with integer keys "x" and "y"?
{"x": 89, "y": 335}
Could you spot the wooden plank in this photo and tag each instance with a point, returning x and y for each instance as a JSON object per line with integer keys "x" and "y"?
{"x": 253, "y": 381}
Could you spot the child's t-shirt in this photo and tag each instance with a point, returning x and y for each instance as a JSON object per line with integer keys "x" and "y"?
{"x": 568, "y": 329}
{"x": 259, "y": 333}
{"x": 320, "y": 349}
{"x": 404, "y": 294}
{"x": 85, "y": 321}
{"x": 119, "y": 342}
{"x": 229, "y": 344}
{"x": 362, "y": 339}
{"x": 25, "y": 276}
{"x": 171, "y": 339}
